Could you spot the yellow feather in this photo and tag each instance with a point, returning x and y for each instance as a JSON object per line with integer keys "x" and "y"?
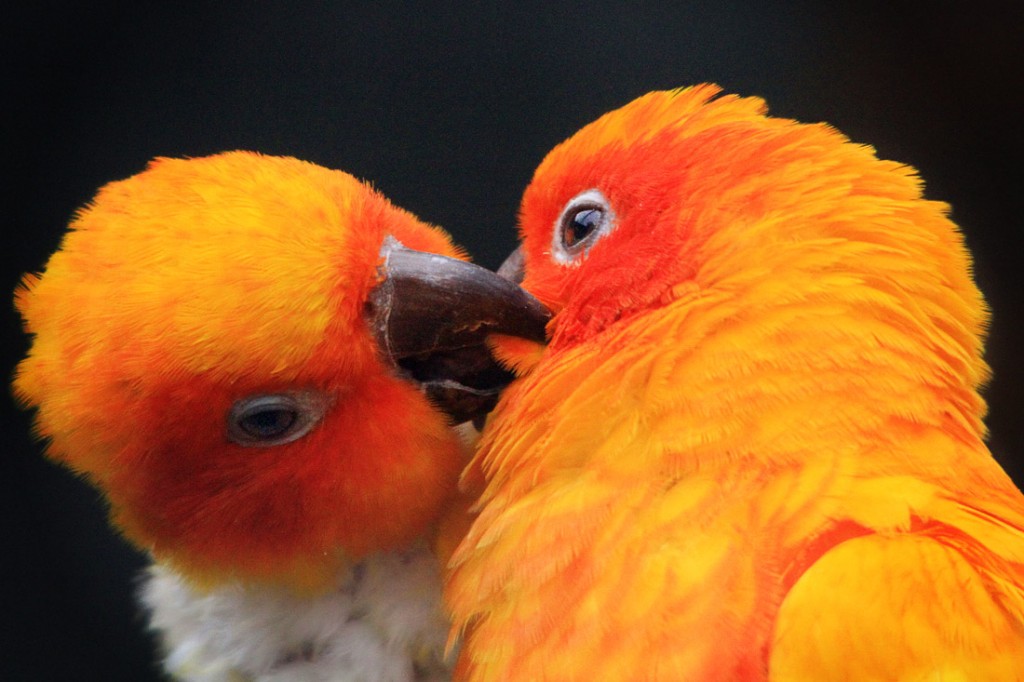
{"x": 755, "y": 441}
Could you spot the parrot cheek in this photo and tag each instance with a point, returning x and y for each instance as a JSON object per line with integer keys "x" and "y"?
{"x": 392, "y": 462}
{"x": 372, "y": 475}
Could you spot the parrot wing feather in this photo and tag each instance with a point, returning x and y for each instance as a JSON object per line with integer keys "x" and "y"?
{"x": 929, "y": 605}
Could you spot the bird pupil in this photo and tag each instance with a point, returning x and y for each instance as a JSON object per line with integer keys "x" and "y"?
{"x": 582, "y": 224}
{"x": 268, "y": 423}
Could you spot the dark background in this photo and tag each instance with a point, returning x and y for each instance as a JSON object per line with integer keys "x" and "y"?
{"x": 448, "y": 110}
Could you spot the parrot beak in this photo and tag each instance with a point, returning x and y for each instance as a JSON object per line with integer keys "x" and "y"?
{"x": 514, "y": 267}
{"x": 431, "y": 316}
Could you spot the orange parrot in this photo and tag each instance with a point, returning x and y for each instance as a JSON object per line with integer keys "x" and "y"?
{"x": 258, "y": 361}
{"x": 753, "y": 448}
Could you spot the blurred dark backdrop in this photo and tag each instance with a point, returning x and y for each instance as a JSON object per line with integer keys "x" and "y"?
{"x": 448, "y": 110}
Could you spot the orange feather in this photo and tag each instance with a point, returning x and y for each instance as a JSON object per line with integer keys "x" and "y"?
{"x": 753, "y": 448}
{"x": 199, "y": 281}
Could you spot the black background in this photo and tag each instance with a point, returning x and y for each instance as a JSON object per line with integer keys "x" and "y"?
{"x": 447, "y": 109}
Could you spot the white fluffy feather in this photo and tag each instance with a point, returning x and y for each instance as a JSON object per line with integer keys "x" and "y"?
{"x": 382, "y": 623}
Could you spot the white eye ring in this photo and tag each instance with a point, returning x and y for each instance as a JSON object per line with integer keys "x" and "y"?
{"x": 265, "y": 420}
{"x": 586, "y": 218}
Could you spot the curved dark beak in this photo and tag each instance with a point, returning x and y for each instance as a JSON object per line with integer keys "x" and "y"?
{"x": 431, "y": 316}
{"x": 514, "y": 267}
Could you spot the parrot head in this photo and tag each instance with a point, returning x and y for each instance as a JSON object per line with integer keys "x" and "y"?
{"x": 258, "y": 361}
{"x": 682, "y": 198}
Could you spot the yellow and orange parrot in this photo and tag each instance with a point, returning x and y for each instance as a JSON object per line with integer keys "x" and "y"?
{"x": 753, "y": 448}
{"x": 253, "y": 357}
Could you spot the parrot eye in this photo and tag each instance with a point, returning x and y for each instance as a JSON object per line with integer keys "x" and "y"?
{"x": 583, "y": 221}
{"x": 578, "y": 226}
{"x": 274, "y": 419}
